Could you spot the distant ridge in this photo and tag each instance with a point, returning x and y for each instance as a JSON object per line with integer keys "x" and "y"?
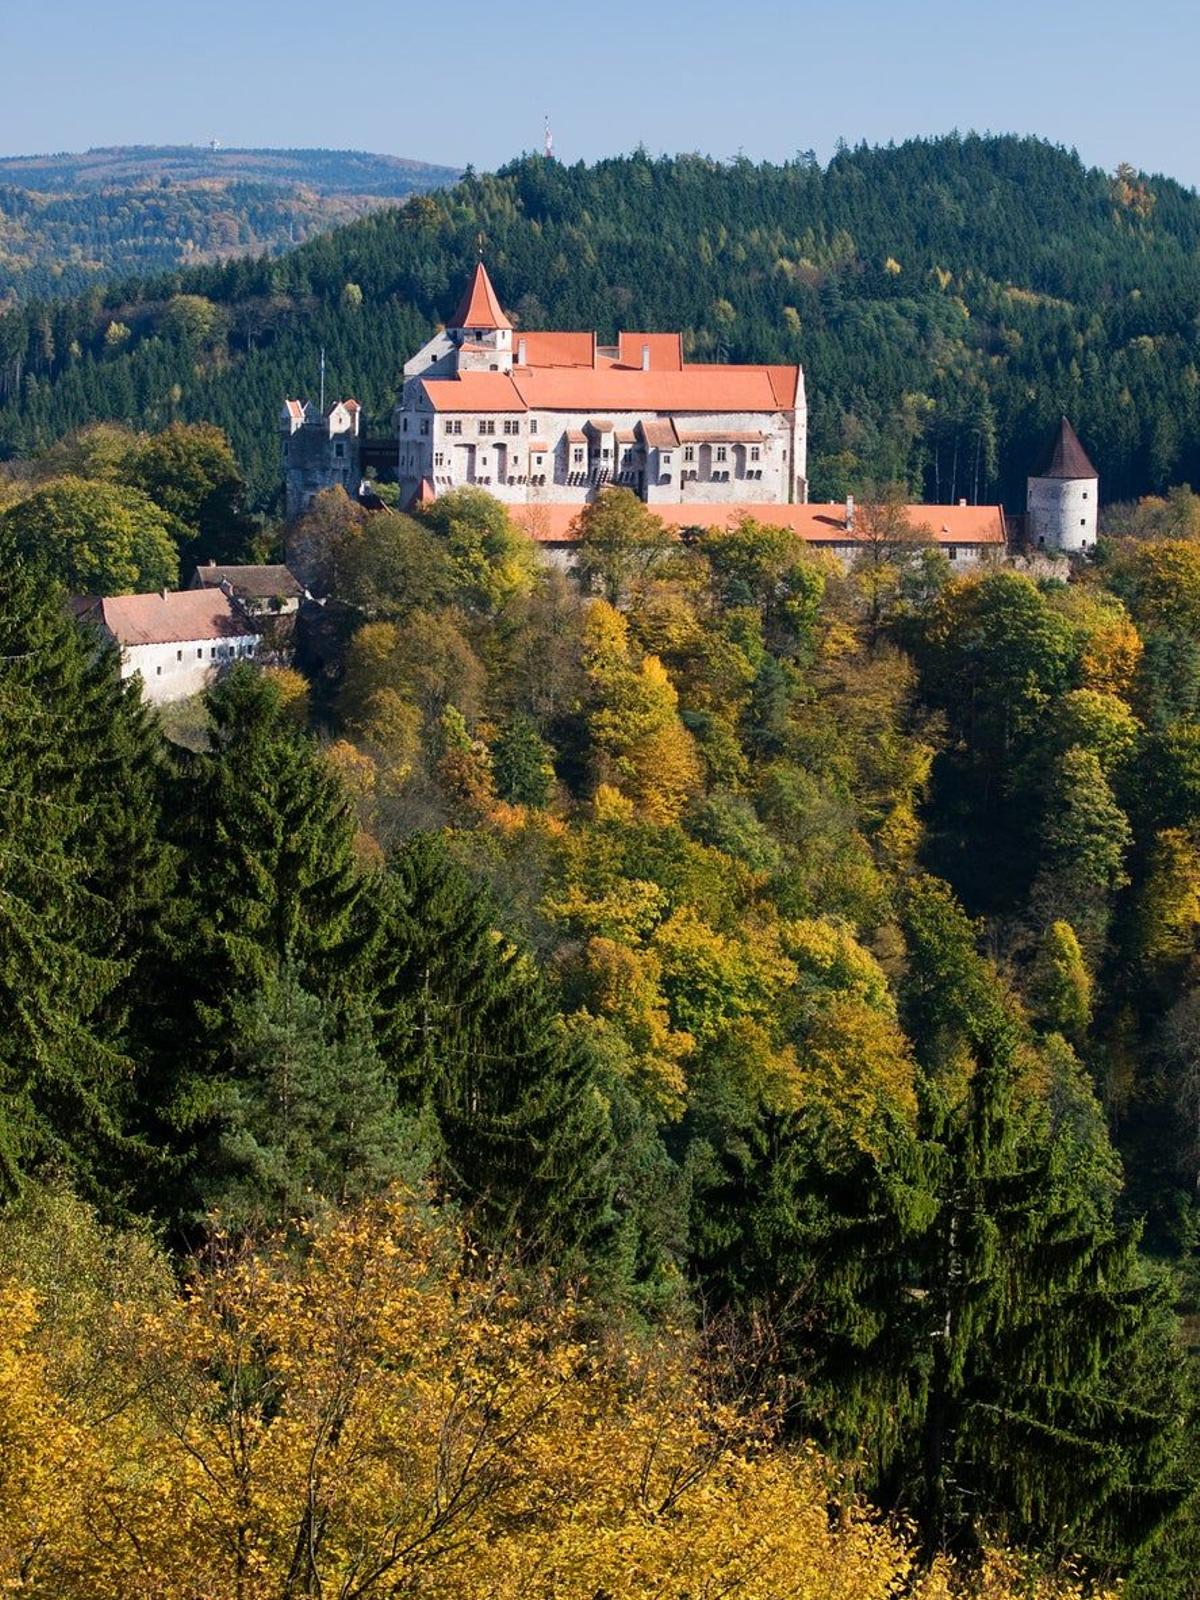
{"x": 357, "y": 172}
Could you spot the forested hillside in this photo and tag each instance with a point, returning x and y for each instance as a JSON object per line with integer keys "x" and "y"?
{"x": 697, "y": 1058}
{"x": 950, "y": 300}
{"x": 68, "y": 222}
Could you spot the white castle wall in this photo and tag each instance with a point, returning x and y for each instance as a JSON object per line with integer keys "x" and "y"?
{"x": 503, "y": 464}
{"x": 1061, "y": 513}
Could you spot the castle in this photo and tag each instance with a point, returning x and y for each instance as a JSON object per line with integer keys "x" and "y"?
{"x": 553, "y": 418}
{"x": 545, "y": 421}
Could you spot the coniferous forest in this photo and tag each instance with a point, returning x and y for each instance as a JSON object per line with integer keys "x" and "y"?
{"x": 949, "y": 299}
{"x": 677, "y": 1078}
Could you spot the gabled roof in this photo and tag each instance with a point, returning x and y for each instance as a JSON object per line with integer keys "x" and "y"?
{"x": 479, "y": 307}
{"x": 557, "y": 349}
{"x": 181, "y": 616}
{"x": 474, "y": 391}
{"x": 659, "y": 433}
{"x": 1068, "y": 458}
{"x": 665, "y": 350}
{"x": 250, "y": 583}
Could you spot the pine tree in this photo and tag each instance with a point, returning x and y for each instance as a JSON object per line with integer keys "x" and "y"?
{"x": 269, "y": 883}
{"x": 1052, "y": 1402}
{"x": 521, "y": 764}
{"x": 306, "y": 1114}
{"x": 65, "y": 947}
{"x": 471, "y": 1035}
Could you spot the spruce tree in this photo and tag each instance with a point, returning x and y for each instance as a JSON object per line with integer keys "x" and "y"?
{"x": 269, "y": 884}
{"x": 472, "y": 1036}
{"x": 67, "y": 935}
{"x": 306, "y": 1114}
{"x": 1052, "y": 1405}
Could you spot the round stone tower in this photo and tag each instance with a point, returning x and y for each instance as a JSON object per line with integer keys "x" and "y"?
{"x": 1062, "y": 499}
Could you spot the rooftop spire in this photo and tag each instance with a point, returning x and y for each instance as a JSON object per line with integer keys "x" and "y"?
{"x": 479, "y": 307}
{"x": 1068, "y": 458}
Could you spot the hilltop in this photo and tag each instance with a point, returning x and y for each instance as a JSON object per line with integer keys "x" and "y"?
{"x": 326, "y": 171}
{"x": 70, "y": 221}
{"x": 949, "y": 299}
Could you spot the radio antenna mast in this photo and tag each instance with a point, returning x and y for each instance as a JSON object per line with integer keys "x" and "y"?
{"x": 322, "y": 380}
{"x": 549, "y": 146}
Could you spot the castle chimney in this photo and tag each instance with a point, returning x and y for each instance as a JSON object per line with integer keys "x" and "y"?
{"x": 521, "y": 362}
{"x": 850, "y": 511}
{"x": 645, "y": 358}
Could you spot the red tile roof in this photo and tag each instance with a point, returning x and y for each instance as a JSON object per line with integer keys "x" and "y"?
{"x": 666, "y": 350}
{"x": 558, "y": 349}
{"x": 615, "y": 389}
{"x": 175, "y": 617}
{"x": 815, "y": 523}
{"x": 660, "y": 434}
{"x": 479, "y": 307}
{"x": 474, "y": 391}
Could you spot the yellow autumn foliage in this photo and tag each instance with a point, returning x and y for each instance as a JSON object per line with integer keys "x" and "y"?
{"x": 378, "y": 1414}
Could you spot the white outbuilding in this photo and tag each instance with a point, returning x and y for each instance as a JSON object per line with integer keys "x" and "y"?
{"x": 177, "y": 641}
{"x": 1063, "y": 498}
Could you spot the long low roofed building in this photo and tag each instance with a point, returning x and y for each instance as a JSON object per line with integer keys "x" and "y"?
{"x": 965, "y": 534}
{"x": 176, "y": 640}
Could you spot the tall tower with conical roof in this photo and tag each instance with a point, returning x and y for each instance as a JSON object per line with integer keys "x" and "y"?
{"x": 1062, "y": 499}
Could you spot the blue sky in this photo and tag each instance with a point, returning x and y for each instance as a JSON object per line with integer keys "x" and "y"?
{"x": 463, "y": 81}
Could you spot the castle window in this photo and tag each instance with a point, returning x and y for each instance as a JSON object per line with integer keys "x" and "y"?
{"x": 454, "y": 425}
{"x": 721, "y": 452}
{"x": 577, "y": 456}
{"x": 512, "y": 427}
{"x": 339, "y": 450}
{"x": 439, "y": 459}
{"x": 487, "y": 425}
{"x": 179, "y": 655}
{"x": 755, "y": 453}
{"x": 200, "y": 653}
{"x": 403, "y": 424}
{"x": 1083, "y": 522}
{"x": 952, "y": 552}
{"x": 689, "y": 452}
{"x": 1085, "y": 494}
{"x": 424, "y": 424}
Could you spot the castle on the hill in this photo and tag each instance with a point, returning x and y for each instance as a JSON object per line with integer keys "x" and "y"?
{"x": 547, "y": 421}
{"x": 554, "y": 418}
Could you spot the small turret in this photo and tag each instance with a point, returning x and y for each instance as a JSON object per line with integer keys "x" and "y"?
{"x": 479, "y": 328}
{"x": 1063, "y": 498}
